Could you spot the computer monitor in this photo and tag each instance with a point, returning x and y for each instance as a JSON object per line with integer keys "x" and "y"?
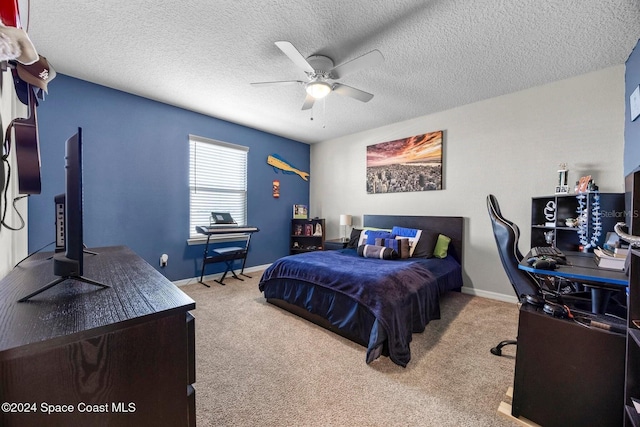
{"x": 70, "y": 264}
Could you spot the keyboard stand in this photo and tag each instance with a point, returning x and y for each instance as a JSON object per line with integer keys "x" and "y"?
{"x": 227, "y": 255}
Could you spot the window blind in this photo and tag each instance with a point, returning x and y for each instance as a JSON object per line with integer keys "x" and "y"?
{"x": 217, "y": 181}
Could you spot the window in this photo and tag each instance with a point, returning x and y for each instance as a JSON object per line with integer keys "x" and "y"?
{"x": 217, "y": 181}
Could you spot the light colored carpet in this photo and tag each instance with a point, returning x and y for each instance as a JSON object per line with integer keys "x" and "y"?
{"x": 260, "y": 365}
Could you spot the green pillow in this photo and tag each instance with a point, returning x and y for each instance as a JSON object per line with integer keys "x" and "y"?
{"x": 442, "y": 246}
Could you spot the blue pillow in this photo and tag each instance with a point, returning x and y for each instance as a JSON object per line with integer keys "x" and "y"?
{"x": 372, "y": 235}
{"x": 413, "y": 234}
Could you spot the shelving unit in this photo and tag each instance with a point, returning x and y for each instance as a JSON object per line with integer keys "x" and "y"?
{"x": 632, "y": 373}
{"x": 566, "y": 206}
{"x": 305, "y": 236}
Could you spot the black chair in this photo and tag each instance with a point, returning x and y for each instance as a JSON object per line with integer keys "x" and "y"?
{"x": 507, "y": 234}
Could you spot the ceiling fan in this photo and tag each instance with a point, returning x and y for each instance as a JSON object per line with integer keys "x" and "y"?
{"x": 322, "y": 74}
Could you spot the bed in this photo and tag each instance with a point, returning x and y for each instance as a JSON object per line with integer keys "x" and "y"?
{"x": 377, "y": 303}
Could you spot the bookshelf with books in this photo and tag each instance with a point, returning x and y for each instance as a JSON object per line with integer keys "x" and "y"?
{"x": 306, "y": 235}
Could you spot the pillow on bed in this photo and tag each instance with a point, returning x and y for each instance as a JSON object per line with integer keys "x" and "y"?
{"x": 442, "y": 246}
{"x": 380, "y": 252}
{"x": 413, "y": 234}
{"x": 365, "y": 230}
{"x": 427, "y": 243}
{"x": 404, "y": 247}
{"x": 372, "y": 235}
{"x": 354, "y": 239}
{"x": 400, "y": 245}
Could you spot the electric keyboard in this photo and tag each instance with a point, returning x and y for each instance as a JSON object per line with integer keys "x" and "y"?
{"x": 225, "y": 229}
{"x": 548, "y": 251}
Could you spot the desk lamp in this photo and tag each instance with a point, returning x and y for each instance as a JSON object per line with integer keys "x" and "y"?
{"x": 345, "y": 221}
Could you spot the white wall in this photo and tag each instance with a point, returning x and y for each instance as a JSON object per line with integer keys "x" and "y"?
{"x": 13, "y": 244}
{"x": 510, "y": 146}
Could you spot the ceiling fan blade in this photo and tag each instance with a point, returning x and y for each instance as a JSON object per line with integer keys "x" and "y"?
{"x": 278, "y": 83}
{"x": 295, "y": 56}
{"x": 308, "y": 102}
{"x": 352, "y": 92}
{"x": 367, "y": 60}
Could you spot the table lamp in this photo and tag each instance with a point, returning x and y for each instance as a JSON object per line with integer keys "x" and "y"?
{"x": 345, "y": 221}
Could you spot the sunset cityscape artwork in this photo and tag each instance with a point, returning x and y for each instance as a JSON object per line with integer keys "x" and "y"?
{"x": 407, "y": 164}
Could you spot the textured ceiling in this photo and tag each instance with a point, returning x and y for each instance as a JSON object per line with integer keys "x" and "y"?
{"x": 202, "y": 55}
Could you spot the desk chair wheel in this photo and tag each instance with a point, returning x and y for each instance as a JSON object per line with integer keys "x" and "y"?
{"x": 497, "y": 350}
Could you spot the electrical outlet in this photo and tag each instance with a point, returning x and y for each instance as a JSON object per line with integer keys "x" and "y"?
{"x": 164, "y": 258}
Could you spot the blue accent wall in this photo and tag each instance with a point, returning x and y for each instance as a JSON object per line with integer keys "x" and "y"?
{"x": 631, "y": 129}
{"x": 136, "y": 164}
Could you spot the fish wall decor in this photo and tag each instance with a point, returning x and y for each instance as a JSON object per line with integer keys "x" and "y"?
{"x": 279, "y": 163}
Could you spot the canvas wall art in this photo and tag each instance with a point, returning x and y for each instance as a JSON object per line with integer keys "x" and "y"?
{"x": 408, "y": 164}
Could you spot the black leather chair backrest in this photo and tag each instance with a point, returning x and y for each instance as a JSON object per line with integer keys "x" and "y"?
{"x": 494, "y": 211}
{"x": 507, "y": 234}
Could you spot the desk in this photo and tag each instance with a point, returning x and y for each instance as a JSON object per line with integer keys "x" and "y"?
{"x": 567, "y": 374}
{"x": 226, "y": 255}
{"x": 581, "y": 268}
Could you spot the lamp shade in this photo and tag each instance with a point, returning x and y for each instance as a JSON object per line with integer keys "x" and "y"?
{"x": 345, "y": 219}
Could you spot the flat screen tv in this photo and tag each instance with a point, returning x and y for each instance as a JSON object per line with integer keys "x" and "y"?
{"x": 69, "y": 265}
{"x": 632, "y": 202}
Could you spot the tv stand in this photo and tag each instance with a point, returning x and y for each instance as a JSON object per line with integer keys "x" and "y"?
{"x": 127, "y": 352}
{"x": 60, "y": 280}
{"x": 66, "y": 269}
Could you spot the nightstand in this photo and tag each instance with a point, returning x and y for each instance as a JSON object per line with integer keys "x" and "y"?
{"x": 335, "y": 244}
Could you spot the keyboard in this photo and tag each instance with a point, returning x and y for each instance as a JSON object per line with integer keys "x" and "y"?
{"x": 549, "y": 251}
{"x": 229, "y": 229}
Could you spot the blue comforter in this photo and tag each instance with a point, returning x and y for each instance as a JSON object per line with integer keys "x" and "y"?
{"x": 403, "y": 295}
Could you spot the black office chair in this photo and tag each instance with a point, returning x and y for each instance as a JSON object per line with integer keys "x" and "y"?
{"x": 507, "y": 234}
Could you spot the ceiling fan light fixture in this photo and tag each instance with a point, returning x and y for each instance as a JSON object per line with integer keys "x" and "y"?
{"x": 318, "y": 89}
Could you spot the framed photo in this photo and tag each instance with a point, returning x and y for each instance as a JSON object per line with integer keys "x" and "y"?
{"x": 583, "y": 184}
{"x": 408, "y": 164}
{"x": 300, "y": 212}
{"x": 634, "y": 103}
{"x": 308, "y": 229}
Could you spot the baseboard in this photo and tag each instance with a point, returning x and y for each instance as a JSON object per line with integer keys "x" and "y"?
{"x": 490, "y": 295}
{"x": 206, "y": 278}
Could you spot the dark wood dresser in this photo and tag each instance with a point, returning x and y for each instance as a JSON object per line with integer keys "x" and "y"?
{"x": 77, "y": 354}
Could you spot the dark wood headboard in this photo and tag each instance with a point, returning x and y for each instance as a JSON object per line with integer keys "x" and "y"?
{"x": 451, "y": 226}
